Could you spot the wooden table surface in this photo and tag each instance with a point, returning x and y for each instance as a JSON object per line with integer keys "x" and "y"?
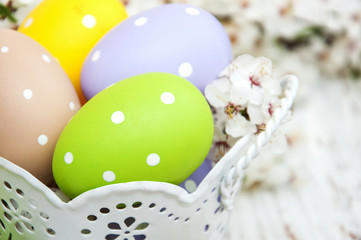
{"x": 325, "y": 201}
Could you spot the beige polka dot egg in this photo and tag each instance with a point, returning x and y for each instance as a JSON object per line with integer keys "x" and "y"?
{"x": 37, "y": 100}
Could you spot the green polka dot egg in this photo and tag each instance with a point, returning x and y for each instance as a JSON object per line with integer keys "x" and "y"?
{"x": 150, "y": 127}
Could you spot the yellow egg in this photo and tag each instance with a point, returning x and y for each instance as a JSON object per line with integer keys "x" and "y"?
{"x": 69, "y": 29}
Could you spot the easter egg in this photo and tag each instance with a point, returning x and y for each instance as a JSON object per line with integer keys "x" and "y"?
{"x": 37, "y": 100}
{"x": 175, "y": 38}
{"x": 150, "y": 127}
{"x": 70, "y": 28}
{"x": 193, "y": 181}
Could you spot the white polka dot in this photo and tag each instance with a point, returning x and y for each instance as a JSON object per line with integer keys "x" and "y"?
{"x": 190, "y": 185}
{"x": 42, "y": 140}
{"x": 89, "y": 21}
{"x": 185, "y": 70}
{"x": 28, "y": 94}
{"x": 4, "y": 49}
{"x": 28, "y": 22}
{"x": 141, "y": 21}
{"x": 68, "y": 158}
{"x": 192, "y": 11}
{"x": 96, "y": 56}
{"x": 72, "y": 106}
{"x": 167, "y": 98}
{"x": 117, "y": 117}
{"x": 45, "y": 58}
{"x": 153, "y": 159}
{"x": 109, "y": 176}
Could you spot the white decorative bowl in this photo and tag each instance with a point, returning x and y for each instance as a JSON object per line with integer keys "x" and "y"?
{"x": 136, "y": 210}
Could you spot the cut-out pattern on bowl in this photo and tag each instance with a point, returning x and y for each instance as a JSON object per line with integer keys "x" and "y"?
{"x": 127, "y": 230}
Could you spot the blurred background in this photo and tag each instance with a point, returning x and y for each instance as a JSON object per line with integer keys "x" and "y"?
{"x": 312, "y": 189}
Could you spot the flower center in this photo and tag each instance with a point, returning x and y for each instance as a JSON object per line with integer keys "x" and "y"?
{"x": 254, "y": 81}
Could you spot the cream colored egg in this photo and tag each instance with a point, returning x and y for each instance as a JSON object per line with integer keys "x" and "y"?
{"x": 37, "y": 100}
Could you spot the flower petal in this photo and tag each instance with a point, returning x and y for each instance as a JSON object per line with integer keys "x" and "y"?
{"x": 256, "y": 95}
{"x": 240, "y": 93}
{"x": 239, "y": 77}
{"x": 114, "y": 226}
{"x": 129, "y": 221}
{"x": 142, "y": 226}
{"x": 215, "y": 97}
{"x": 111, "y": 236}
{"x": 272, "y": 86}
{"x": 264, "y": 66}
{"x": 256, "y": 114}
{"x": 139, "y": 237}
{"x": 223, "y": 84}
{"x": 236, "y": 126}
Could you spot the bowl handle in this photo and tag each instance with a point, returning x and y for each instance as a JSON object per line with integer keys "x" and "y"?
{"x": 232, "y": 181}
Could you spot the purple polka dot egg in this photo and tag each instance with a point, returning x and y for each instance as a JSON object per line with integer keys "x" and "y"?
{"x": 175, "y": 38}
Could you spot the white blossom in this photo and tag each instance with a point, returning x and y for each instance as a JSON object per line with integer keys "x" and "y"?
{"x": 243, "y": 99}
{"x": 239, "y": 126}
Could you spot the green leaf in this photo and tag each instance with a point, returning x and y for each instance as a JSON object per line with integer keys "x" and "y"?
{"x": 355, "y": 73}
{"x": 5, "y": 12}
